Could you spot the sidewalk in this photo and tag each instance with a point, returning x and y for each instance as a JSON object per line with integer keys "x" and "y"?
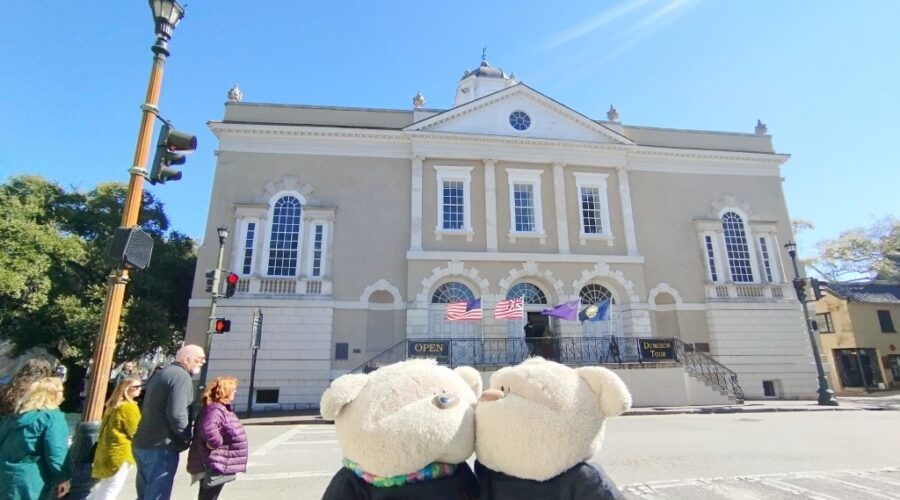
{"x": 877, "y": 401}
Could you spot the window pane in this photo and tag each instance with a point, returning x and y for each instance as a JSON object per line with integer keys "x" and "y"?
{"x": 454, "y": 205}
{"x": 736, "y": 248}
{"x": 590, "y": 210}
{"x": 595, "y": 294}
{"x": 318, "y": 244}
{"x": 451, "y": 292}
{"x": 285, "y": 238}
{"x": 248, "y": 248}
{"x": 523, "y": 205}
{"x": 531, "y": 293}
{"x": 767, "y": 266}
{"x": 887, "y": 323}
{"x": 711, "y": 259}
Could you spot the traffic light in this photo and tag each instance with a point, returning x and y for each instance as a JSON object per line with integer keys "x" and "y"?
{"x": 231, "y": 282}
{"x": 222, "y": 325}
{"x": 817, "y": 286}
{"x": 171, "y": 147}
{"x": 212, "y": 280}
{"x": 800, "y": 287}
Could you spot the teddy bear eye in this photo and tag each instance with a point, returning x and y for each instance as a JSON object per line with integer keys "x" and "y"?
{"x": 502, "y": 389}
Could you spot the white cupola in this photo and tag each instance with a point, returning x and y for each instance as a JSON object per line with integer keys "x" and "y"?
{"x": 484, "y": 80}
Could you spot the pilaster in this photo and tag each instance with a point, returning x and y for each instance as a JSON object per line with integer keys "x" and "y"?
{"x": 627, "y": 213}
{"x": 559, "y": 197}
{"x": 490, "y": 204}
{"x": 415, "y": 226}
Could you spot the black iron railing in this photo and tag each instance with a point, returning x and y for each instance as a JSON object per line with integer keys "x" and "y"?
{"x": 706, "y": 368}
{"x": 392, "y": 354}
{"x": 491, "y": 353}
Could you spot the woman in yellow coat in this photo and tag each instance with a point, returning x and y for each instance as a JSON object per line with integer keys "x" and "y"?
{"x": 113, "y": 458}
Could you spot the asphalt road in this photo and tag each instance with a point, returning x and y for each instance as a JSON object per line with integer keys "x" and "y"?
{"x": 827, "y": 455}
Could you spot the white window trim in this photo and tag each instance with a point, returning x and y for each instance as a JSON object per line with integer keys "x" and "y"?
{"x": 264, "y": 262}
{"x": 311, "y": 250}
{"x": 594, "y": 180}
{"x": 526, "y": 176}
{"x": 450, "y": 173}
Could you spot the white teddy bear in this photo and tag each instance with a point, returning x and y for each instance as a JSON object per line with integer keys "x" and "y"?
{"x": 405, "y": 430}
{"x": 537, "y": 425}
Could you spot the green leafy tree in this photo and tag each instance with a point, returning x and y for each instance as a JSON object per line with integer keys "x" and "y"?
{"x": 872, "y": 252}
{"x": 62, "y": 296}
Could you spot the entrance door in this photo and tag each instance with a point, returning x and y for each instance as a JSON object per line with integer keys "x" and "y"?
{"x": 857, "y": 367}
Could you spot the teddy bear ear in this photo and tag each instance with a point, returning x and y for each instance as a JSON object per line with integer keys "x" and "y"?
{"x": 472, "y": 377}
{"x": 611, "y": 392}
{"x": 342, "y": 391}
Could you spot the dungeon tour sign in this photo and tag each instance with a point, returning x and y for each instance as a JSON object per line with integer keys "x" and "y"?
{"x": 657, "y": 349}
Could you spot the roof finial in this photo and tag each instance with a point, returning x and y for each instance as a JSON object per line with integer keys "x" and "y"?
{"x": 235, "y": 94}
{"x": 484, "y": 54}
{"x": 613, "y": 114}
{"x": 418, "y": 100}
{"x": 761, "y": 128}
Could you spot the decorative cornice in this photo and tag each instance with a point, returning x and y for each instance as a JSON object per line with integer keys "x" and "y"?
{"x": 517, "y": 141}
{"x": 409, "y": 143}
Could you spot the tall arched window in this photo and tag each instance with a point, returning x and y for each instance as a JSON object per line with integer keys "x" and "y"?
{"x": 736, "y": 247}
{"x": 531, "y": 293}
{"x": 595, "y": 294}
{"x": 284, "y": 237}
{"x": 450, "y": 292}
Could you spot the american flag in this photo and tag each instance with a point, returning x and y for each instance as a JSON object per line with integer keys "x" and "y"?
{"x": 457, "y": 311}
{"x": 510, "y": 309}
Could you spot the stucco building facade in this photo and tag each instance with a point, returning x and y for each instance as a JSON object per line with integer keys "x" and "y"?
{"x": 351, "y": 228}
{"x": 860, "y": 340}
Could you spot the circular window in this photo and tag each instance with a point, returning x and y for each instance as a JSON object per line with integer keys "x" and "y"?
{"x": 519, "y": 120}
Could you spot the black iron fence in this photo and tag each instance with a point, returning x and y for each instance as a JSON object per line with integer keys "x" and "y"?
{"x": 493, "y": 353}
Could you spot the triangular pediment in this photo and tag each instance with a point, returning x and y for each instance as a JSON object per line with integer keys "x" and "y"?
{"x": 547, "y": 119}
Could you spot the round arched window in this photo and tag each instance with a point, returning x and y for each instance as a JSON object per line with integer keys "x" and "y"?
{"x": 519, "y": 120}
{"x": 595, "y": 294}
{"x": 531, "y": 293}
{"x": 450, "y": 292}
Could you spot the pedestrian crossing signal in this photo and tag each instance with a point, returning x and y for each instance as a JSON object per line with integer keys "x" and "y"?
{"x": 222, "y": 325}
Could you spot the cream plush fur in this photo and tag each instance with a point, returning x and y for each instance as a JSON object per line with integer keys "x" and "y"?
{"x": 539, "y": 419}
{"x": 390, "y": 421}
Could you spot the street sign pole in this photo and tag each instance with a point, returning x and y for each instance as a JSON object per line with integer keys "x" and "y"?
{"x": 255, "y": 343}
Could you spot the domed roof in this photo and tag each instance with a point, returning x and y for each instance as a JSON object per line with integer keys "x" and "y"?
{"x": 485, "y": 69}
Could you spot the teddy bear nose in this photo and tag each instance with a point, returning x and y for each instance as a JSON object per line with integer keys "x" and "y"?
{"x": 445, "y": 401}
{"x": 492, "y": 395}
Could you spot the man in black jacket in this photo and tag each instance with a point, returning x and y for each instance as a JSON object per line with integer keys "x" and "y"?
{"x": 165, "y": 428}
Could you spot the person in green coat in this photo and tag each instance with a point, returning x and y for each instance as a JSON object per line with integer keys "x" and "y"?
{"x": 34, "y": 444}
{"x": 113, "y": 458}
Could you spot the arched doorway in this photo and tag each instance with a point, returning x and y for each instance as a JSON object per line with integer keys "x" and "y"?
{"x": 447, "y": 293}
{"x": 595, "y": 294}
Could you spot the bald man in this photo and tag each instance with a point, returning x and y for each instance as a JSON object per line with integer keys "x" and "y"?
{"x": 165, "y": 428}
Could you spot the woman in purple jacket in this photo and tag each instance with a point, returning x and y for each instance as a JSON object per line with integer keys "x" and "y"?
{"x": 219, "y": 448}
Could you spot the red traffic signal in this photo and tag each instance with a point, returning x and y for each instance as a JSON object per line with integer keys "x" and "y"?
{"x": 231, "y": 282}
{"x": 222, "y": 325}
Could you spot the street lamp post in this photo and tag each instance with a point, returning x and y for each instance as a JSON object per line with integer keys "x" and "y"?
{"x": 166, "y": 15}
{"x": 223, "y": 235}
{"x": 826, "y": 395}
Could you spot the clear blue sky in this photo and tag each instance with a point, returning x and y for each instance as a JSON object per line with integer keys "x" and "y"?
{"x": 824, "y": 76}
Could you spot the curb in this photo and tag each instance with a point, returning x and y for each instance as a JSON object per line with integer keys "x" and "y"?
{"x": 315, "y": 419}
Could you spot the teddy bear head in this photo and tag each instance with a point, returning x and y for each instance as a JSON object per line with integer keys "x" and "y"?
{"x": 402, "y": 417}
{"x": 540, "y": 418}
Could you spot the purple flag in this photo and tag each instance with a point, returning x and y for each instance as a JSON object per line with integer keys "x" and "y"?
{"x": 568, "y": 311}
